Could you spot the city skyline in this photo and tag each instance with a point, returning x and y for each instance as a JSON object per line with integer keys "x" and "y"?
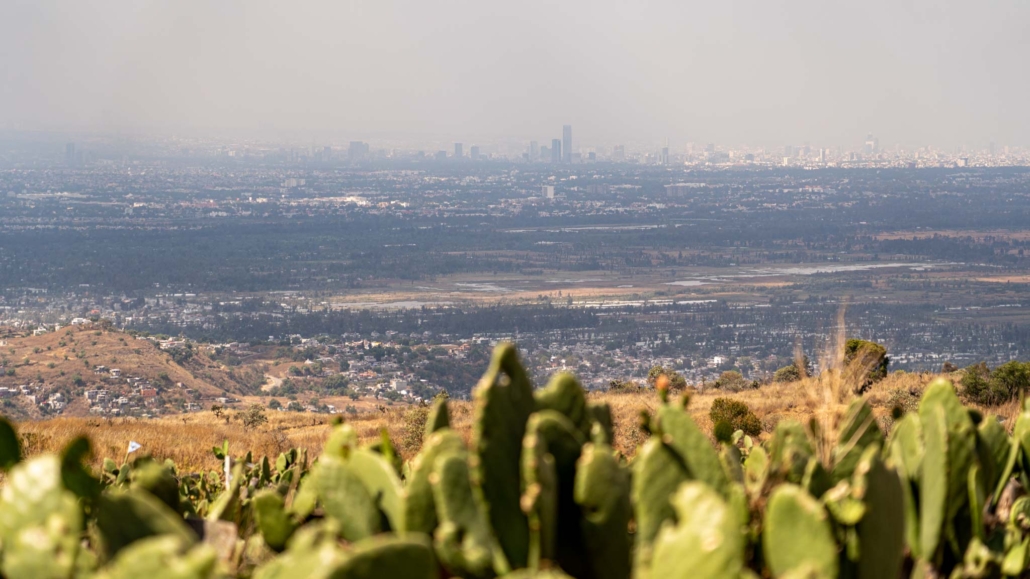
{"x": 764, "y": 74}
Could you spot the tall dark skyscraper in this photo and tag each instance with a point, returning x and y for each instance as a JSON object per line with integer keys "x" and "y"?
{"x": 69, "y": 154}
{"x": 566, "y": 144}
{"x": 556, "y": 152}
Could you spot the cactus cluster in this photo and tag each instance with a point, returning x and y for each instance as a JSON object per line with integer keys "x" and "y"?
{"x": 540, "y": 492}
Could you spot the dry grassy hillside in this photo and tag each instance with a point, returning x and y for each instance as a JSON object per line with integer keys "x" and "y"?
{"x": 187, "y": 439}
{"x": 66, "y": 359}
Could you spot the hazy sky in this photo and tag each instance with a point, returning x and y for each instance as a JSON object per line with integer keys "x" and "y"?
{"x": 940, "y": 72}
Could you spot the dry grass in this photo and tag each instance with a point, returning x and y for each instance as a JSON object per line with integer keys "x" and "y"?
{"x": 187, "y": 439}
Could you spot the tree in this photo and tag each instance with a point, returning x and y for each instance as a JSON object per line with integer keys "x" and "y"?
{"x": 1012, "y": 378}
{"x": 676, "y": 380}
{"x": 274, "y": 404}
{"x": 791, "y": 372}
{"x": 868, "y": 358}
{"x": 731, "y": 381}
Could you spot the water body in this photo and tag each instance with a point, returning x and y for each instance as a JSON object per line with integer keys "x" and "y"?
{"x": 481, "y": 287}
{"x": 798, "y": 270}
{"x": 398, "y": 305}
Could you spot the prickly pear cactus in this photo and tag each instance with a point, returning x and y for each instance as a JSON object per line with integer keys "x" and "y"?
{"x": 40, "y": 521}
{"x": 949, "y": 438}
{"x": 797, "y": 534}
{"x": 563, "y": 394}
{"x": 439, "y": 417}
{"x": 463, "y": 540}
{"x": 164, "y": 556}
{"x": 419, "y": 505}
{"x": 858, "y": 432}
{"x": 562, "y": 442}
{"x": 272, "y": 520}
{"x": 707, "y": 543}
{"x": 602, "y": 492}
{"x": 657, "y": 472}
{"x": 504, "y": 400}
{"x": 344, "y": 497}
{"x": 882, "y": 527}
{"x": 693, "y": 447}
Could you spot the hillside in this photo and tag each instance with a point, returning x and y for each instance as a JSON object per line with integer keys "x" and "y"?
{"x": 52, "y": 372}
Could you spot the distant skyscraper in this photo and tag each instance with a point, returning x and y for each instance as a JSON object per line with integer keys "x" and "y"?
{"x": 619, "y": 153}
{"x": 566, "y": 144}
{"x": 474, "y": 152}
{"x": 548, "y": 191}
{"x": 457, "y": 151}
{"x": 556, "y": 152}
{"x": 69, "y": 154}
{"x": 665, "y": 156}
{"x": 534, "y": 151}
{"x": 357, "y": 151}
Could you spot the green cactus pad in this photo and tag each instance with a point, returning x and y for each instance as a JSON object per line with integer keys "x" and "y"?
{"x": 564, "y": 442}
{"x": 382, "y": 483}
{"x": 40, "y": 521}
{"x": 797, "y": 534}
{"x": 158, "y": 481}
{"x": 693, "y": 447}
{"x": 603, "y": 429}
{"x": 271, "y": 519}
{"x": 504, "y": 401}
{"x": 389, "y": 556}
{"x": 949, "y": 438}
{"x": 881, "y": 531}
{"x": 707, "y": 543}
{"x": 10, "y": 447}
{"x": 439, "y": 417}
{"x": 124, "y": 517}
{"x": 167, "y": 557}
{"x": 564, "y": 394}
{"x": 419, "y": 505}
{"x": 463, "y": 539}
{"x": 858, "y": 432}
{"x": 345, "y": 498}
{"x": 602, "y": 492}
{"x": 657, "y": 472}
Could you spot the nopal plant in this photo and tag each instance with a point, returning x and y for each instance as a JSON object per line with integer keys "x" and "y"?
{"x": 539, "y": 491}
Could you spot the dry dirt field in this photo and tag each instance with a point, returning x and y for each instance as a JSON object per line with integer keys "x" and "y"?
{"x": 187, "y": 439}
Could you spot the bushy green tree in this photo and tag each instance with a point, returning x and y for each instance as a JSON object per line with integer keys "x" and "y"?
{"x": 676, "y": 380}
{"x": 736, "y": 414}
{"x": 867, "y": 354}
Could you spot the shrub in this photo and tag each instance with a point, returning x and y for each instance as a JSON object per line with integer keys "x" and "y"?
{"x": 866, "y": 354}
{"x": 414, "y": 426}
{"x": 736, "y": 414}
{"x": 982, "y": 386}
{"x": 732, "y": 381}
{"x": 252, "y": 417}
{"x": 676, "y": 380}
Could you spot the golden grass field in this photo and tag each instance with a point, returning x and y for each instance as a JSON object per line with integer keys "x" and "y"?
{"x": 187, "y": 439}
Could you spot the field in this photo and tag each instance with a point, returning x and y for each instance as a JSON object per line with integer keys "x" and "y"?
{"x": 187, "y": 439}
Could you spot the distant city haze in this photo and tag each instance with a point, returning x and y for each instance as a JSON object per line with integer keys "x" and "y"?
{"x": 912, "y": 72}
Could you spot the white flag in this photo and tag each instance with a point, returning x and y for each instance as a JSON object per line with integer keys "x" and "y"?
{"x": 134, "y": 446}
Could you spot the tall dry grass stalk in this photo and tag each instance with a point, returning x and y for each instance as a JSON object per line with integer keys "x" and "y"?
{"x": 833, "y": 388}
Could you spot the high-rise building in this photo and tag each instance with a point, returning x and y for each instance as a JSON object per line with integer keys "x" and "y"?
{"x": 665, "y": 156}
{"x": 69, "y": 154}
{"x": 619, "y": 153}
{"x": 458, "y": 153}
{"x": 547, "y": 191}
{"x": 357, "y": 151}
{"x": 566, "y": 144}
{"x": 474, "y": 152}
{"x": 534, "y": 151}
{"x": 556, "y": 151}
